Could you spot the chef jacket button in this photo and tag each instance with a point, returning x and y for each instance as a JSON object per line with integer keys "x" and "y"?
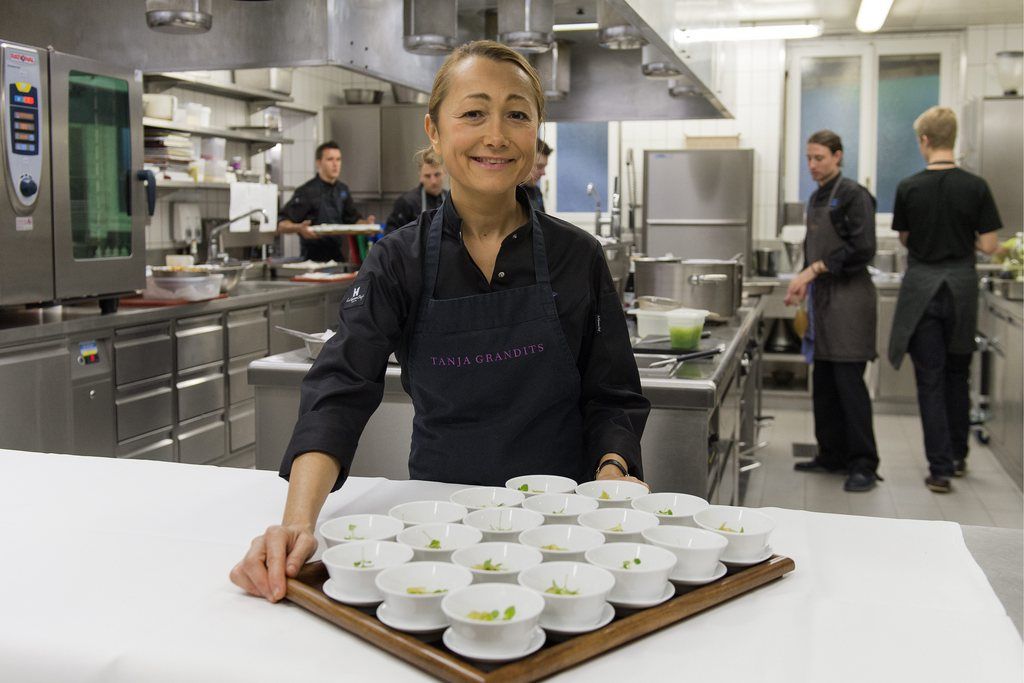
{"x": 515, "y": 236}
{"x": 501, "y": 274}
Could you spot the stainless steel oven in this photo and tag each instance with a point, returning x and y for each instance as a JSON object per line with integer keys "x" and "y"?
{"x": 72, "y": 224}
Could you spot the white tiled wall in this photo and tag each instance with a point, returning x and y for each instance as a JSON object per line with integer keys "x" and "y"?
{"x": 981, "y": 45}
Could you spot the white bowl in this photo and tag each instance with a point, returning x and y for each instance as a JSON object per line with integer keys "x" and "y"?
{"x": 562, "y": 541}
{"x": 586, "y": 588}
{"x": 428, "y": 512}
{"x": 505, "y": 561}
{"x": 612, "y": 493}
{"x": 540, "y": 483}
{"x": 350, "y": 528}
{"x": 746, "y": 530}
{"x": 697, "y": 551}
{"x": 480, "y": 497}
{"x": 517, "y": 611}
{"x": 446, "y": 537}
{"x": 619, "y": 525}
{"x": 353, "y": 567}
{"x": 676, "y": 509}
{"x": 503, "y": 524}
{"x": 641, "y": 571}
{"x": 401, "y": 588}
{"x": 560, "y": 508}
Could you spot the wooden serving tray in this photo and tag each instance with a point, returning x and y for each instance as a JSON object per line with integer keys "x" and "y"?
{"x": 433, "y": 658}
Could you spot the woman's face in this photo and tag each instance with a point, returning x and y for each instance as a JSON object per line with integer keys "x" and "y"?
{"x": 486, "y": 130}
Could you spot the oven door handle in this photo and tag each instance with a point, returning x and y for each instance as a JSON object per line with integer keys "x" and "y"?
{"x": 149, "y": 179}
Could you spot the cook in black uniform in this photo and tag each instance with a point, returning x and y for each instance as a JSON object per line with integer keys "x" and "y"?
{"x": 942, "y": 215}
{"x": 840, "y": 244}
{"x": 324, "y": 199}
{"x": 509, "y": 331}
{"x": 540, "y": 165}
{"x": 426, "y": 196}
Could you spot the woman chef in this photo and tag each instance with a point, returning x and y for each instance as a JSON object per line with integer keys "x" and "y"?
{"x": 509, "y": 331}
{"x": 839, "y": 246}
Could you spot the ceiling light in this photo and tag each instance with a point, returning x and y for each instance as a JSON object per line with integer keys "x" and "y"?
{"x": 591, "y": 26}
{"x": 872, "y": 14}
{"x": 737, "y": 33}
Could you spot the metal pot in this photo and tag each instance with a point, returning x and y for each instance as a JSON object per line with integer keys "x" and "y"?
{"x": 363, "y": 96}
{"x": 405, "y": 95}
{"x": 711, "y": 284}
{"x": 767, "y": 261}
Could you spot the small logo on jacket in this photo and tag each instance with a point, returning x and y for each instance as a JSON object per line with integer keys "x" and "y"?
{"x": 357, "y": 296}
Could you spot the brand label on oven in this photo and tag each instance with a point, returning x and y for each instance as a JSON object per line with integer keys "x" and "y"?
{"x": 21, "y": 58}
{"x": 22, "y": 223}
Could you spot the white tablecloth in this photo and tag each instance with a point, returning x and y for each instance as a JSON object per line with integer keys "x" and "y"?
{"x": 117, "y": 570}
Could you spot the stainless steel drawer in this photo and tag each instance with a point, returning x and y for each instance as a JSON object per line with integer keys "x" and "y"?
{"x": 202, "y": 441}
{"x": 199, "y": 341}
{"x": 239, "y": 388}
{"x": 200, "y": 392}
{"x": 141, "y": 353}
{"x": 242, "y": 425}
{"x": 247, "y": 331}
{"x": 159, "y": 447}
{"x": 143, "y": 409}
{"x": 245, "y": 459}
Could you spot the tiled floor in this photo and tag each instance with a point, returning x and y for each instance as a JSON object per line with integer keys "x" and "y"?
{"x": 985, "y": 497}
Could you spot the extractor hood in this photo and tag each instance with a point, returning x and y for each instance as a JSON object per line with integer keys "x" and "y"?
{"x": 366, "y": 36}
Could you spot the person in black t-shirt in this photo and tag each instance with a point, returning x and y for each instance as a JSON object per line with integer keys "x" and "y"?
{"x": 540, "y": 165}
{"x": 324, "y": 199}
{"x": 943, "y": 214}
{"x": 426, "y": 196}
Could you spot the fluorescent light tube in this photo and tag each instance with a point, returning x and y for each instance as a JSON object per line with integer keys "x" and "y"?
{"x": 758, "y": 32}
{"x": 872, "y": 14}
{"x": 575, "y": 27}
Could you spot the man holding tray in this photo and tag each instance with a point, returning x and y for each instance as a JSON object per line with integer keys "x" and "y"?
{"x": 324, "y": 199}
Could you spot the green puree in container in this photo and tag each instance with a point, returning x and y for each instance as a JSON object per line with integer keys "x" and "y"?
{"x": 685, "y": 338}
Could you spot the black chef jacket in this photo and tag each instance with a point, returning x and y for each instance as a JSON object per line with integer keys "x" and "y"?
{"x": 346, "y": 383}
{"x": 408, "y": 207}
{"x": 321, "y": 202}
{"x": 853, "y": 214}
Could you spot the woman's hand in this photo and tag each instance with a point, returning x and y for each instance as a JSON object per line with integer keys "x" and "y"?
{"x": 277, "y": 554}
{"x": 611, "y": 472}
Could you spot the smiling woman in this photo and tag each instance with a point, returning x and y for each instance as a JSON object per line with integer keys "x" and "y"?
{"x": 510, "y": 334}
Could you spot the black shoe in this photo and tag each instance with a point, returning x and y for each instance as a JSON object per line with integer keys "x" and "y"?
{"x": 938, "y": 484}
{"x": 858, "y": 482}
{"x": 959, "y": 468}
{"x": 816, "y": 465}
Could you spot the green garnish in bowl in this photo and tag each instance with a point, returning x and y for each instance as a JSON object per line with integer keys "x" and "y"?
{"x": 432, "y": 543}
{"x": 617, "y": 527}
{"x": 489, "y": 566}
{"x": 420, "y": 590}
{"x": 559, "y": 512}
{"x": 627, "y": 564}
{"x": 351, "y": 534}
{"x": 526, "y": 489}
{"x": 724, "y": 527}
{"x": 493, "y": 615}
{"x": 552, "y": 546}
{"x": 555, "y": 589}
{"x": 666, "y": 511}
{"x": 604, "y": 495}
{"x": 363, "y": 564}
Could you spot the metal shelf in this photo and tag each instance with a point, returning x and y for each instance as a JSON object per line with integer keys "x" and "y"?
{"x": 259, "y": 105}
{"x": 260, "y": 141}
{"x": 164, "y": 80}
{"x": 189, "y": 185}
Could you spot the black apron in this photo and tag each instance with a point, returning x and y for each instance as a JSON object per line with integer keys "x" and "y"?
{"x": 495, "y": 387}
{"x": 844, "y": 306}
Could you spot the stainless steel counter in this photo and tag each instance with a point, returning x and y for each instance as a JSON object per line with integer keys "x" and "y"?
{"x": 685, "y": 446}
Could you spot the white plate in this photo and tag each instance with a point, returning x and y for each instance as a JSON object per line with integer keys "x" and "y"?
{"x": 459, "y": 646}
{"x": 331, "y": 591}
{"x": 409, "y": 627}
{"x": 669, "y": 591}
{"x": 607, "y": 614}
{"x": 764, "y": 555}
{"x": 720, "y": 571}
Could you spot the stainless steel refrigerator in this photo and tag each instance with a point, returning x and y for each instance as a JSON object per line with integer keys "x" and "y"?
{"x": 698, "y": 203}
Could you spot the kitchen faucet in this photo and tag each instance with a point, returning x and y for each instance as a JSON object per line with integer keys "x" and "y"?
{"x": 213, "y": 247}
{"x": 592, "y": 192}
{"x": 615, "y": 215}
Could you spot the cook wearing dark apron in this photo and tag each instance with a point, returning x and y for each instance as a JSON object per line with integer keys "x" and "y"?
{"x": 840, "y": 243}
{"x": 940, "y": 214}
{"x": 321, "y": 202}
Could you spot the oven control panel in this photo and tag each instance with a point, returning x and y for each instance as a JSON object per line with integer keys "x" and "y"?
{"x": 23, "y": 121}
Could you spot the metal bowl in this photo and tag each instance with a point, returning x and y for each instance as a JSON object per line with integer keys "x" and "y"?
{"x": 231, "y": 270}
{"x": 405, "y": 95}
{"x": 363, "y": 96}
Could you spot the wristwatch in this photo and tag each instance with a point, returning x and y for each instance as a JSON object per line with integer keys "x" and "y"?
{"x": 611, "y": 462}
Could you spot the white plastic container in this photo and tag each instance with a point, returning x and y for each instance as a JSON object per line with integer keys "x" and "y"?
{"x": 685, "y": 326}
{"x": 650, "y": 323}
